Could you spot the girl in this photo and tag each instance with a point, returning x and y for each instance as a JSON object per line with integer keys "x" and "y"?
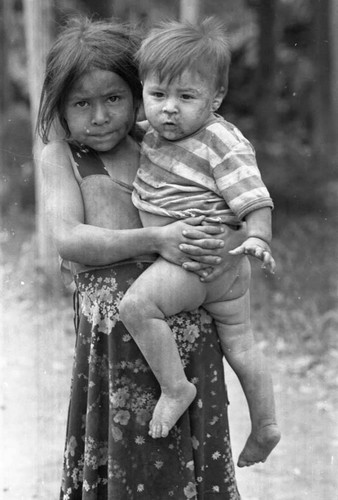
{"x": 91, "y": 89}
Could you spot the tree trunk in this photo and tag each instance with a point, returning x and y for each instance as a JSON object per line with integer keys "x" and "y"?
{"x": 38, "y": 31}
{"x": 322, "y": 121}
{"x": 4, "y": 82}
{"x": 190, "y": 10}
{"x": 5, "y": 97}
{"x": 265, "y": 114}
{"x": 333, "y": 43}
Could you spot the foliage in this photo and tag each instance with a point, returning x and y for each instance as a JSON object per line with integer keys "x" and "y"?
{"x": 297, "y": 308}
{"x": 284, "y": 166}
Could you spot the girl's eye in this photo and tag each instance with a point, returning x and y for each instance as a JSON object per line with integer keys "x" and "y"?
{"x": 81, "y": 104}
{"x": 186, "y": 97}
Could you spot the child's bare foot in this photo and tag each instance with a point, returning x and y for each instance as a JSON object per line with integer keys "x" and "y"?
{"x": 259, "y": 445}
{"x": 169, "y": 409}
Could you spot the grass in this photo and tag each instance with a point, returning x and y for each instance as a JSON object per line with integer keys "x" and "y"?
{"x": 295, "y": 312}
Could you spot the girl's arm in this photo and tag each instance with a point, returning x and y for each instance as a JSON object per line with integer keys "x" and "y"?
{"x": 93, "y": 245}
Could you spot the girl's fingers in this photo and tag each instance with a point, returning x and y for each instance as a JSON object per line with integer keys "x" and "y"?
{"x": 197, "y": 267}
{"x": 213, "y": 274}
{"x": 202, "y": 232}
{"x": 199, "y": 255}
{"x": 209, "y": 259}
{"x": 194, "y": 234}
{"x": 212, "y": 228}
{"x": 201, "y": 247}
{"x": 195, "y": 221}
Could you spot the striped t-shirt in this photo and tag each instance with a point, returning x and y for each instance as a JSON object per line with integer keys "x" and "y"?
{"x": 212, "y": 172}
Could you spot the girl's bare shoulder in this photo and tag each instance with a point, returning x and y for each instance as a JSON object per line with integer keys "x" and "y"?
{"x": 55, "y": 150}
{"x": 55, "y": 158}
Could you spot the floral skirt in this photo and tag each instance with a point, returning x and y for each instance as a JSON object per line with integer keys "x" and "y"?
{"x": 109, "y": 454}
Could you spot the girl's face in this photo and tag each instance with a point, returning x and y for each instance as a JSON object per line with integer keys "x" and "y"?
{"x": 100, "y": 110}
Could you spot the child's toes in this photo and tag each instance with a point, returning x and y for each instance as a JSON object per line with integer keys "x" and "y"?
{"x": 155, "y": 431}
{"x": 165, "y": 431}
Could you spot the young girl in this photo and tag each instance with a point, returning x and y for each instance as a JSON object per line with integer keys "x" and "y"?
{"x": 91, "y": 88}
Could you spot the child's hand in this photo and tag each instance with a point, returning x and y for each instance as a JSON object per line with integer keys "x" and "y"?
{"x": 257, "y": 248}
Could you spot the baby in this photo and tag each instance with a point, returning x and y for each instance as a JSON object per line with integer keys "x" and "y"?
{"x": 195, "y": 163}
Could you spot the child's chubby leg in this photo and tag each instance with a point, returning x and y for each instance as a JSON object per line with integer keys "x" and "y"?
{"x": 232, "y": 316}
{"x": 162, "y": 290}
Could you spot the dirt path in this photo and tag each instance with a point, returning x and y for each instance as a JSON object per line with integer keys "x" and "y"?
{"x": 304, "y": 465}
{"x": 35, "y": 374}
{"x": 35, "y": 377}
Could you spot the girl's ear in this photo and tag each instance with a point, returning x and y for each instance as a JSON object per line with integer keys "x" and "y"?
{"x": 218, "y": 98}
{"x": 140, "y": 115}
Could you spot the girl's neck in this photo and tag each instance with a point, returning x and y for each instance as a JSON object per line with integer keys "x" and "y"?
{"x": 116, "y": 150}
{"x": 122, "y": 161}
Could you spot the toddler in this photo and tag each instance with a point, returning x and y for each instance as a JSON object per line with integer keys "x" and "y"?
{"x": 195, "y": 163}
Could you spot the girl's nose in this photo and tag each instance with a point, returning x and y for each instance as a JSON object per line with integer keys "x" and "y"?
{"x": 100, "y": 115}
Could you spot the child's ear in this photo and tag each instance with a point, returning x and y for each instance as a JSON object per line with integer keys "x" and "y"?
{"x": 140, "y": 115}
{"x": 218, "y": 98}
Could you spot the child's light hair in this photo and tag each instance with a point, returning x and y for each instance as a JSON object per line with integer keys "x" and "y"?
{"x": 84, "y": 45}
{"x": 174, "y": 46}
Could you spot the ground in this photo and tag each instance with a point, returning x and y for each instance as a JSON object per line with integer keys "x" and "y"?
{"x": 36, "y": 355}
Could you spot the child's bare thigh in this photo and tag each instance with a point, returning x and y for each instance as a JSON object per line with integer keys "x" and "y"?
{"x": 170, "y": 288}
{"x": 231, "y": 285}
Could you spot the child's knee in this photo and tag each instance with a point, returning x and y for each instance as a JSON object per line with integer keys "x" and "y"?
{"x": 136, "y": 308}
{"x": 131, "y": 309}
{"x": 235, "y": 339}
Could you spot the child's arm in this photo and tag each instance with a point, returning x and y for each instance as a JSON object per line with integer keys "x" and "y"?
{"x": 258, "y": 241}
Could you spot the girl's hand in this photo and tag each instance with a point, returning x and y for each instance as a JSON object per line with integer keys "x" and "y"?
{"x": 231, "y": 238}
{"x": 190, "y": 242}
{"x": 257, "y": 248}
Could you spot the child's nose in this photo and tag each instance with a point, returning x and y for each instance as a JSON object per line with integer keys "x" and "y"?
{"x": 100, "y": 115}
{"x": 170, "y": 105}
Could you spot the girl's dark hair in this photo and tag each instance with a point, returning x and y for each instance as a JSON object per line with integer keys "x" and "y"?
{"x": 174, "y": 46}
{"x": 82, "y": 45}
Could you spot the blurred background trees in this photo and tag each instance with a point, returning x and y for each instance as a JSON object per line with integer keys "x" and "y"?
{"x": 283, "y": 90}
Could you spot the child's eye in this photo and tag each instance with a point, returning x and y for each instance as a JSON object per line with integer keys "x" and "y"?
{"x": 157, "y": 95}
{"x": 187, "y": 97}
{"x": 113, "y": 98}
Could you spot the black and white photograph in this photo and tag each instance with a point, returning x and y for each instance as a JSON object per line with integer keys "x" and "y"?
{"x": 169, "y": 249}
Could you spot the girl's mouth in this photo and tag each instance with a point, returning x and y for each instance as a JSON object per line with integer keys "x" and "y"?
{"x": 103, "y": 135}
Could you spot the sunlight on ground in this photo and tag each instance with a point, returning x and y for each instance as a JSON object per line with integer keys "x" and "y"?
{"x": 36, "y": 346}
{"x": 303, "y": 465}
{"x": 36, "y": 371}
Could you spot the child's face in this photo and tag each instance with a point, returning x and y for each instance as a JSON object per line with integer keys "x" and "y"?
{"x": 100, "y": 110}
{"x": 180, "y": 107}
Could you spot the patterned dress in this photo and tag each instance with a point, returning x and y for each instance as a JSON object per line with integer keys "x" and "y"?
{"x": 109, "y": 454}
